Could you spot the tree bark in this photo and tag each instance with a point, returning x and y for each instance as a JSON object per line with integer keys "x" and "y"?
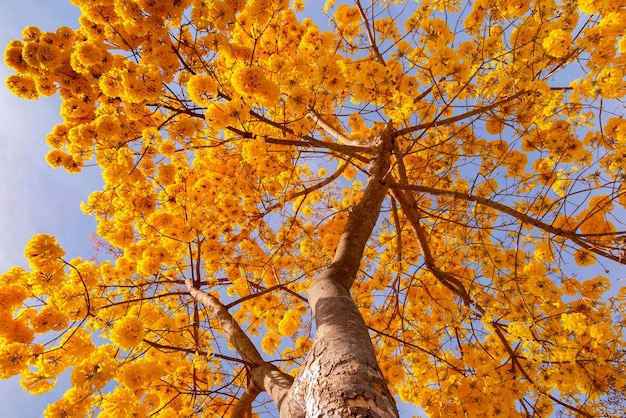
{"x": 340, "y": 376}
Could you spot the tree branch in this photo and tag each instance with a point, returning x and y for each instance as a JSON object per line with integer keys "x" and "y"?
{"x": 574, "y": 237}
{"x": 457, "y": 287}
{"x": 243, "y": 408}
{"x": 310, "y": 189}
{"x": 445, "y": 278}
{"x": 264, "y": 375}
{"x": 451, "y": 120}
{"x": 350, "y": 150}
{"x": 330, "y": 130}
{"x": 370, "y": 34}
{"x": 364, "y": 215}
{"x": 240, "y": 341}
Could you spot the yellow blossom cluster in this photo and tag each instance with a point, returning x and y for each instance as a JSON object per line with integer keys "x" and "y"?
{"x": 254, "y": 85}
{"x": 127, "y": 332}
{"x": 557, "y": 43}
{"x": 201, "y": 89}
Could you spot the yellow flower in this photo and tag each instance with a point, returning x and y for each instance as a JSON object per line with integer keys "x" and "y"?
{"x": 394, "y": 372}
{"x": 167, "y": 148}
{"x": 609, "y": 81}
{"x": 519, "y": 330}
{"x": 307, "y": 210}
{"x": 64, "y": 37}
{"x": 202, "y": 88}
{"x": 288, "y": 325}
{"x": 251, "y": 82}
{"x": 111, "y": 83}
{"x": 12, "y": 295}
{"x": 15, "y": 330}
{"x": 45, "y": 86}
{"x": 75, "y": 109}
{"x": 31, "y": 33}
{"x": 144, "y": 204}
{"x": 557, "y": 43}
{"x": 297, "y": 5}
{"x": 574, "y": 322}
{"x": 107, "y": 126}
{"x": 38, "y": 382}
{"x": 589, "y": 6}
{"x": 298, "y": 99}
{"x": 57, "y": 158}
{"x": 49, "y": 57}
{"x": 74, "y": 404}
{"x": 13, "y": 57}
{"x": 127, "y": 332}
{"x": 139, "y": 374}
{"x": 220, "y": 115}
{"x": 49, "y": 318}
{"x": 41, "y": 250}
{"x": 30, "y": 54}
{"x": 254, "y": 151}
{"x": 95, "y": 371}
{"x": 494, "y": 126}
{"x": 595, "y": 288}
{"x": 22, "y": 86}
{"x": 13, "y": 359}
{"x": 270, "y": 342}
{"x": 166, "y": 173}
{"x": 89, "y": 53}
{"x": 77, "y": 345}
{"x": 346, "y": 14}
{"x": 349, "y": 173}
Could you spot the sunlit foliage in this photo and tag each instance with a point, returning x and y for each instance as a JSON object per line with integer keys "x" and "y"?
{"x": 234, "y": 138}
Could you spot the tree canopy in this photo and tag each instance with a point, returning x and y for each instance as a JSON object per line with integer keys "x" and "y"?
{"x": 420, "y": 201}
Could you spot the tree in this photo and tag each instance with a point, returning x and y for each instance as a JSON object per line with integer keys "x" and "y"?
{"x": 412, "y": 203}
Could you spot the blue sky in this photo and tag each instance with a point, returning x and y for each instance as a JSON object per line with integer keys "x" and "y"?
{"x": 35, "y": 198}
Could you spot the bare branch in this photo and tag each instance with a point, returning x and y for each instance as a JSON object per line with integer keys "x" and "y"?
{"x": 350, "y": 150}
{"x": 264, "y": 375}
{"x": 445, "y": 278}
{"x": 310, "y": 189}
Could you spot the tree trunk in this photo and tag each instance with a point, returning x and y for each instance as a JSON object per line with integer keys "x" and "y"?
{"x": 340, "y": 376}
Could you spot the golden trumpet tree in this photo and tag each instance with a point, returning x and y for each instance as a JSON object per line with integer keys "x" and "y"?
{"x": 415, "y": 201}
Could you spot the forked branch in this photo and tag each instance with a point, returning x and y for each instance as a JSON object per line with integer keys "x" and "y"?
{"x": 243, "y": 409}
{"x": 240, "y": 341}
{"x": 370, "y": 34}
{"x": 453, "y": 119}
{"x": 264, "y": 375}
